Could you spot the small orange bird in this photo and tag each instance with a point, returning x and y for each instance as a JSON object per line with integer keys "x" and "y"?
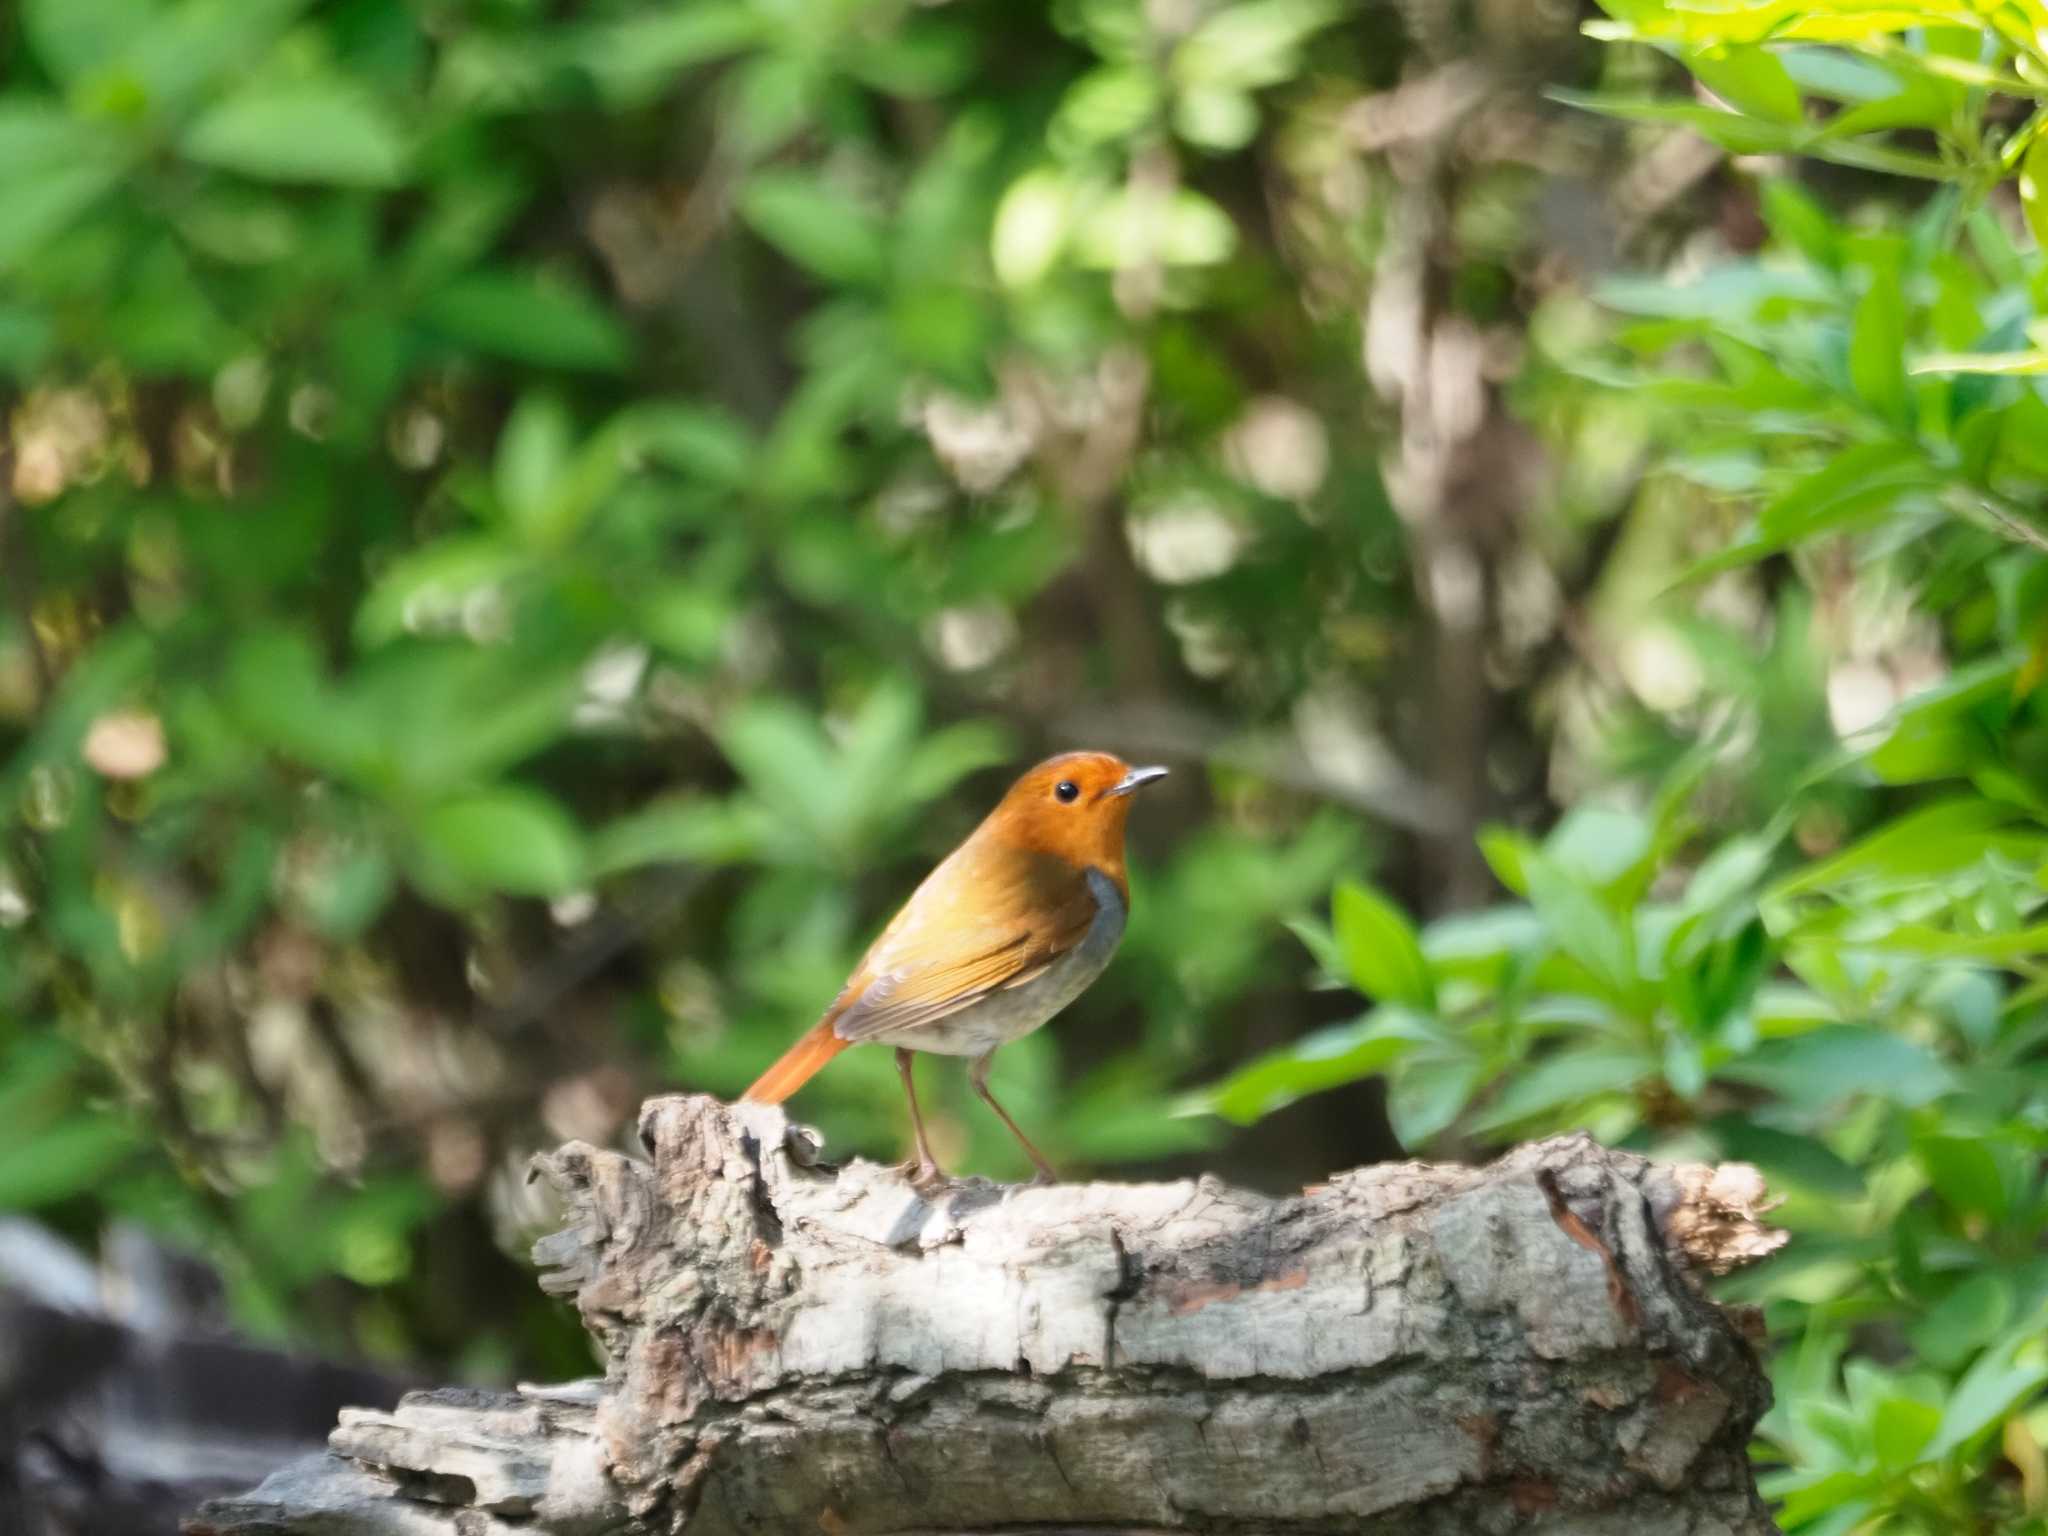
{"x": 1011, "y": 928}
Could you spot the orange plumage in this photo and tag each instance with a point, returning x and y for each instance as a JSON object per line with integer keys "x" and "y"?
{"x": 797, "y": 1065}
{"x": 1001, "y": 936}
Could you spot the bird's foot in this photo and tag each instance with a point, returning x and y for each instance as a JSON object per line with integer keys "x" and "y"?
{"x": 1042, "y": 1178}
{"x": 923, "y": 1174}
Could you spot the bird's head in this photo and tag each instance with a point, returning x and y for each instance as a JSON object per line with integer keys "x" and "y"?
{"x": 1074, "y": 806}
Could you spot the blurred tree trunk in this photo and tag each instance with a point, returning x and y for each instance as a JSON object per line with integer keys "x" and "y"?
{"x": 793, "y": 1347}
{"x": 124, "y": 1400}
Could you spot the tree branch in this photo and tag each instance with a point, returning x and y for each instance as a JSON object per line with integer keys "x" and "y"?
{"x": 793, "y": 1347}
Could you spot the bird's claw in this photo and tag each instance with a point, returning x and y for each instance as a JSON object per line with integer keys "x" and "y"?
{"x": 923, "y": 1175}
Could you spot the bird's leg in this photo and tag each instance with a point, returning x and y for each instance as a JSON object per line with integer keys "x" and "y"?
{"x": 928, "y": 1170}
{"x": 978, "y": 1076}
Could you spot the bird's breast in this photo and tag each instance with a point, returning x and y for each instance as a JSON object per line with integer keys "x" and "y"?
{"x": 1011, "y": 1012}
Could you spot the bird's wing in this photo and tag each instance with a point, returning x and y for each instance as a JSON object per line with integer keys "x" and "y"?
{"x": 993, "y": 921}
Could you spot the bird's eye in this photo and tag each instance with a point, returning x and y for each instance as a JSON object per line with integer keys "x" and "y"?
{"x": 1066, "y": 791}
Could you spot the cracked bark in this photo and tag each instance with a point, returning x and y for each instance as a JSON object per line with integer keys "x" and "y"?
{"x": 794, "y": 1347}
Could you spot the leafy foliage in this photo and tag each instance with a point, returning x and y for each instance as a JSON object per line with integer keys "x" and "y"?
{"x": 1841, "y": 982}
{"x": 526, "y": 527}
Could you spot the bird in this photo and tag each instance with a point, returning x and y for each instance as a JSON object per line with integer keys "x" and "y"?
{"x": 1005, "y": 932}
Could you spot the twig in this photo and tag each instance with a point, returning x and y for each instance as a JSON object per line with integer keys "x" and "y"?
{"x": 2011, "y": 523}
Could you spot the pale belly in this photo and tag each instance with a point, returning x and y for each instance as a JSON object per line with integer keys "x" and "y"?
{"x": 1011, "y": 1012}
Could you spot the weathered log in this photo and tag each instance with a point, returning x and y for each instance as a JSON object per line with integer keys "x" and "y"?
{"x": 797, "y": 1347}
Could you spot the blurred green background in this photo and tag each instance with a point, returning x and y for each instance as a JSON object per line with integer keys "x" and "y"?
{"x": 527, "y": 525}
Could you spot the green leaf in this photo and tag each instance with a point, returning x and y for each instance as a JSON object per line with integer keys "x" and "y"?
{"x": 344, "y": 896}
{"x": 1962, "y": 1322}
{"x": 1506, "y": 853}
{"x": 1725, "y": 875}
{"x": 1584, "y": 929}
{"x": 1841, "y": 1497}
{"x": 1752, "y": 136}
{"x": 2011, "y": 364}
{"x": 1427, "y": 1096}
{"x": 816, "y": 225}
{"x": 1858, "y": 481}
{"x": 1902, "y": 1429}
{"x": 1964, "y": 1173}
{"x": 513, "y": 840}
{"x": 533, "y": 451}
{"x": 37, "y": 1073}
{"x": 1730, "y": 292}
{"x": 1562, "y": 1079}
{"x": 1483, "y": 942}
{"x": 636, "y": 58}
{"x": 1748, "y": 78}
{"x": 780, "y": 752}
{"x": 1326, "y": 1059}
{"x": 1919, "y": 100}
{"x": 37, "y": 134}
{"x": 941, "y": 759}
{"x": 1931, "y": 840}
{"x": 276, "y": 688}
{"x": 511, "y": 706}
{"x": 43, "y": 206}
{"x": 1031, "y": 227}
{"x": 2003, "y": 1376}
{"x": 1216, "y": 120}
{"x": 192, "y": 50}
{"x": 1684, "y": 1065}
{"x": 2034, "y": 188}
{"x": 872, "y": 748}
{"x": 522, "y": 317}
{"x": 1731, "y": 557}
{"x": 691, "y": 831}
{"x": 1105, "y": 106}
{"x": 2018, "y": 944}
{"x": 1597, "y": 845}
{"x": 76, "y": 38}
{"x": 687, "y": 620}
{"x": 1731, "y": 130}
{"x": 1838, "y": 1061}
{"x": 1380, "y": 950}
{"x": 774, "y": 94}
{"x": 68, "y": 1158}
{"x": 463, "y": 220}
{"x": 1936, "y": 733}
{"x": 1838, "y": 74}
{"x": 53, "y": 167}
{"x": 321, "y": 131}
{"x": 1788, "y": 1158}
{"x": 1798, "y": 220}
{"x": 1125, "y": 230}
{"x": 1251, "y": 44}
{"x": 916, "y": 58}
{"x": 426, "y": 588}
{"x": 1321, "y": 943}
{"x": 548, "y": 491}
{"x": 696, "y": 440}
{"x": 1877, "y": 346}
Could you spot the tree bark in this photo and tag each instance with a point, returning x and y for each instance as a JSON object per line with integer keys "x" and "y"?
{"x": 796, "y": 1347}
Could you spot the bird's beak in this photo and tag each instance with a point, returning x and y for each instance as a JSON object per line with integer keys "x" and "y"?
{"x": 1137, "y": 778}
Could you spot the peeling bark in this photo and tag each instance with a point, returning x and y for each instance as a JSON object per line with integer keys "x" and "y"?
{"x": 797, "y": 1347}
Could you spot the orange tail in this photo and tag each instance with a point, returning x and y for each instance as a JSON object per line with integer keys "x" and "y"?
{"x": 798, "y": 1065}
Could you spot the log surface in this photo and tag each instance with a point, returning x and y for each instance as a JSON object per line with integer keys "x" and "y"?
{"x": 797, "y": 1347}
